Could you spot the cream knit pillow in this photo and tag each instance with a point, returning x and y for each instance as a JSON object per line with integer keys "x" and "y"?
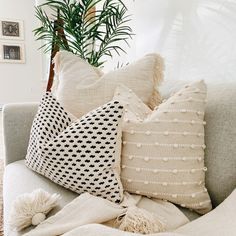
{"x": 163, "y": 150}
{"x": 82, "y": 87}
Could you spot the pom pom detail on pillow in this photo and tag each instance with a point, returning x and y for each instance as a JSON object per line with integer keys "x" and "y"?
{"x": 84, "y": 155}
{"x": 78, "y": 82}
{"x": 163, "y": 150}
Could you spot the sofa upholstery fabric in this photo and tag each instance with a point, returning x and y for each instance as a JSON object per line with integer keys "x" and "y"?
{"x": 18, "y": 179}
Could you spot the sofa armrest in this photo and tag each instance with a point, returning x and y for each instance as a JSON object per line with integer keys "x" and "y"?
{"x": 17, "y": 121}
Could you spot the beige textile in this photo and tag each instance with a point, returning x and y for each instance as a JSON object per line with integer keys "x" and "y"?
{"x": 220, "y": 136}
{"x": 101, "y": 230}
{"x": 82, "y": 87}
{"x": 88, "y": 209}
{"x": 163, "y": 150}
{"x": 219, "y": 222}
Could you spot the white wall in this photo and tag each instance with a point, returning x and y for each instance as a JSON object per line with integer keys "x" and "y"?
{"x": 195, "y": 37}
{"x": 22, "y": 82}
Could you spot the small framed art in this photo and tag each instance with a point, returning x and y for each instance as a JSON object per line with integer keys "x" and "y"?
{"x": 12, "y": 52}
{"x": 11, "y": 29}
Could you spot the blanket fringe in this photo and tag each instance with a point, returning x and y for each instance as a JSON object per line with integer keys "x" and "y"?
{"x": 137, "y": 220}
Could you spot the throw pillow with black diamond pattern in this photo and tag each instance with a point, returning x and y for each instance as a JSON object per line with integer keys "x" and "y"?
{"x": 84, "y": 155}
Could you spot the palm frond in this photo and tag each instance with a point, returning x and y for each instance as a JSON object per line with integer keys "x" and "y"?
{"x": 92, "y": 34}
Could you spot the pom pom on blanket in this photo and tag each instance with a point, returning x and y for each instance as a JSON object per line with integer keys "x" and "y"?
{"x": 137, "y": 220}
{"x": 31, "y": 208}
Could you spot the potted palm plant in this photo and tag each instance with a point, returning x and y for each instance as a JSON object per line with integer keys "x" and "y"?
{"x": 92, "y": 33}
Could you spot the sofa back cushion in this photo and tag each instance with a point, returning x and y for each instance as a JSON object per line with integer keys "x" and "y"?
{"x": 220, "y": 137}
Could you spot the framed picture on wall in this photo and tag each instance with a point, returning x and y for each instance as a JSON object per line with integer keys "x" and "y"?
{"x": 11, "y": 29}
{"x": 12, "y": 52}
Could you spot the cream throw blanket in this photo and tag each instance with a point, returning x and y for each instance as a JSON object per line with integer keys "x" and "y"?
{"x": 101, "y": 230}
{"x": 88, "y": 209}
{"x": 79, "y": 216}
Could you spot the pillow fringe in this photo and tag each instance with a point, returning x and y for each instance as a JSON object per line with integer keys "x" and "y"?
{"x": 56, "y": 62}
{"x": 158, "y": 78}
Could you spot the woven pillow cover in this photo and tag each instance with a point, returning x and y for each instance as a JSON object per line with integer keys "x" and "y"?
{"x": 83, "y": 155}
{"x": 163, "y": 150}
{"x": 78, "y": 82}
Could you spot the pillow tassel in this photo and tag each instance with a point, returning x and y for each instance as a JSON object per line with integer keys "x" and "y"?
{"x": 32, "y": 208}
{"x": 137, "y": 220}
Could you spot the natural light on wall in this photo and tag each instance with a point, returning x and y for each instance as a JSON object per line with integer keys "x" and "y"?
{"x": 197, "y": 38}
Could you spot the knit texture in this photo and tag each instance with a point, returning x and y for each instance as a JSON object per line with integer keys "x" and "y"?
{"x": 84, "y": 155}
{"x": 163, "y": 150}
{"x": 81, "y": 87}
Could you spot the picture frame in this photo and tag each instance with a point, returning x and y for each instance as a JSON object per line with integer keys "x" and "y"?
{"x": 12, "y": 52}
{"x": 11, "y": 29}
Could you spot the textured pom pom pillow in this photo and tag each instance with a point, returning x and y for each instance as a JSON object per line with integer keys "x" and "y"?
{"x": 82, "y": 87}
{"x": 163, "y": 150}
{"x": 81, "y": 155}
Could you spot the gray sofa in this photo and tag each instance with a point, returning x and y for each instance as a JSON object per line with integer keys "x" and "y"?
{"x": 220, "y": 152}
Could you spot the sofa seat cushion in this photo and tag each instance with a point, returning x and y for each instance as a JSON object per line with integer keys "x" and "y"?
{"x": 18, "y": 179}
{"x": 219, "y": 222}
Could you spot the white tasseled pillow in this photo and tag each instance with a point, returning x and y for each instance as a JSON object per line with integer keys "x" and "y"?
{"x": 163, "y": 150}
{"x": 82, "y": 87}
